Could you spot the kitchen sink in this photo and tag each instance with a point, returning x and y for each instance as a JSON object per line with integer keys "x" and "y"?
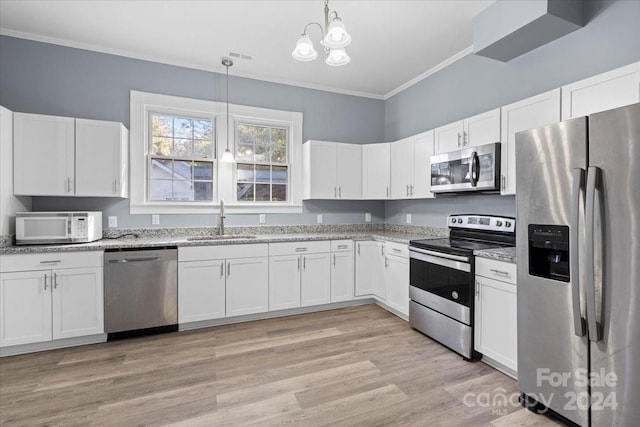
{"x": 222, "y": 237}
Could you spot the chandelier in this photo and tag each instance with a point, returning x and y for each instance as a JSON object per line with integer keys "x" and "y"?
{"x": 334, "y": 39}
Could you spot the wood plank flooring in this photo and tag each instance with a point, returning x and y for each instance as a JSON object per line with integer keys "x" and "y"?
{"x": 359, "y": 366}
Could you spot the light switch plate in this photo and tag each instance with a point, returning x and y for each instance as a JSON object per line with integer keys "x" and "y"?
{"x": 155, "y": 219}
{"x": 319, "y": 218}
{"x": 367, "y": 217}
{"x": 408, "y": 218}
{"x": 113, "y": 221}
{"x": 262, "y": 218}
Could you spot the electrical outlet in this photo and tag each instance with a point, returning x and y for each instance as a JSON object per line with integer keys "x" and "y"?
{"x": 319, "y": 218}
{"x": 262, "y": 218}
{"x": 408, "y": 218}
{"x": 155, "y": 219}
{"x": 367, "y": 217}
{"x": 113, "y": 221}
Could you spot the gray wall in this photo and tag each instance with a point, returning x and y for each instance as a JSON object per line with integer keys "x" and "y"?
{"x": 49, "y": 79}
{"x": 474, "y": 84}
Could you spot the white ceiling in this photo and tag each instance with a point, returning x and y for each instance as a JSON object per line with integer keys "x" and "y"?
{"x": 393, "y": 43}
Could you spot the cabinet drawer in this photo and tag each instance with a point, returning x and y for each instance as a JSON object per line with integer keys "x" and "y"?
{"x": 341, "y": 245}
{"x": 498, "y": 270}
{"x": 292, "y": 248}
{"x": 398, "y": 249}
{"x": 202, "y": 253}
{"x": 48, "y": 261}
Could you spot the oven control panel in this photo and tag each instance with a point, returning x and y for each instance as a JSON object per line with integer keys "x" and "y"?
{"x": 482, "y": 222}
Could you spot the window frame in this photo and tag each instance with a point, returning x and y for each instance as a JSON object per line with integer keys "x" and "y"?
{"x": 225, "y": 174}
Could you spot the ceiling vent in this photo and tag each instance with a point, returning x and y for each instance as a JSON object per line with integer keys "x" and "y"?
{"x": 239, "y": 56}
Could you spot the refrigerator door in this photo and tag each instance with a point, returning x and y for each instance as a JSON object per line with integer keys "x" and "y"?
{"x": 550, "y": 349}
{"x": 614, "y": 148}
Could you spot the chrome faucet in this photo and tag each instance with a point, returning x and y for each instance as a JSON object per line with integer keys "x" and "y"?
{"x": 222, "y": 217}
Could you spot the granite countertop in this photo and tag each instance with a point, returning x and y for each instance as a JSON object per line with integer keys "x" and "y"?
{"x": 172, "y": 237}
{"x": 500, "y": 254}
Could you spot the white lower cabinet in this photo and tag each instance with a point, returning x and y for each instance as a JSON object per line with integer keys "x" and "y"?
{"x": 397, "y": 277}
{"x": 284, "y": 282}
{"x": 50, "y": 296}
{"x": 315, "y": 283}
{"x": 342, "y": 273}
{"x": 369, "y": 268}
{"x": 495, "y": 330}
{"x": 222, "y": 281}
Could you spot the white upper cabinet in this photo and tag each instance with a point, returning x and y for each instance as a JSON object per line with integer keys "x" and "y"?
{"x": 376, "y": 167}
{"x": 62, "y": 156}
{"x": 530, "y": 113}
{"x": 332, "y": 170}
{"x": 102, "y": 159}
{"x": 612, "y": 89}
{"x": 410, "y": 167}
{"x": 43, "y": 155}
{"x": 477, "y": 130}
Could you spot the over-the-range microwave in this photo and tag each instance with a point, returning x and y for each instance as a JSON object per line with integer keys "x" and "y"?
{"x": 470, "y": 169}
{"x": 57, "y": 227}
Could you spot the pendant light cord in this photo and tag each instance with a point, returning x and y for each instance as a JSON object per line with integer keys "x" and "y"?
{"x": 227, "y": 65}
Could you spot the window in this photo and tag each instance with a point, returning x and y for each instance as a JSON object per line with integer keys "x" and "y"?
{"x": 181, "y": 158}
{"x": 261, "y": 156}
{"x": 173, "y": 154}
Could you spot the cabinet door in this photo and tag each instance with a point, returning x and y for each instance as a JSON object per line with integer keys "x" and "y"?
{"x": 529, "y": 113}
{"x": 402, "y": 169}
{"x": 397, "y": 281}
{"x": 342, "y": 276}
{"x": 201, "y": 290}
{"x": 448, "y": 137}
{"x": 315, "y": 283}
{"x": 99, "y": 158}
{"x": 482, "y": 129}
{"x": 496, "y": 333}
{"x": 25, "y": 307}
{"x": 613, "y": 89}
{"x": 376, "y": 166}
{"x": 349, "y": 171}
{"x": 284, "y": 282}
{"x": 422, "y": 152}
{"x": 320, "y": 170}
{"x": 78, "y": 302}
{"x": 247, "y": 288}
{"x": 43, "y": 155}
{"x": 365, "y": 256}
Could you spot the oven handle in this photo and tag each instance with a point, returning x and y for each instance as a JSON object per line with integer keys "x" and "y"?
{"x": 439, "y": 254}
{"x": 445, "y": 262}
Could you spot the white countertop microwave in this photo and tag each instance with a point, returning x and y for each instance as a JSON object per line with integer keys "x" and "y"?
{"x": 38, "y": 228}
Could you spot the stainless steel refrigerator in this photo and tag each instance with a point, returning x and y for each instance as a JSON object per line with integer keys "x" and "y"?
{"x": 578, "y": 248}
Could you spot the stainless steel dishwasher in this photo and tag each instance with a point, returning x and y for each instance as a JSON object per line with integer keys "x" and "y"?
{"x": 140, "y": 291}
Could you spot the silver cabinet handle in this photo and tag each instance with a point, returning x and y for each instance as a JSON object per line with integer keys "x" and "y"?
{"x": 593, "y": 180}
{"x": 335, "y": 192}
{"x": 228, "y": 269}
{"x": 222, "y": 269}
{"x": 465, "y": 139}
{"x": 55, "y": 261}
{"x": 387, "y": 191}
{"x": 459, "y": 136}
{"x": 68, "y": 185}
{"x": 396, "y": 250}
{"x": 334, "y": 260}
{"x": 298, "y": 263}
{"x": 343, "y": 246}
{"x": 386, "y": 262}
{"x": 477, "y": 288}
{"x": 45, "y": 281}
{"x": 55, "y": 280}
{"x": 410, "y": 190}
{"x": 579, "y": 325}
{"x": 382, "y": 250}
{"x": 407, "y": 190}
{"x": 504, "y": 273}
{"x": 304, "y": 262}
{"x": 301, "y": 249}
{"x": 340, "y": 192}
{"x": 504, "y": 182}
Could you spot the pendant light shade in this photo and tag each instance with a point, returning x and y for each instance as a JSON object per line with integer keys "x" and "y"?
{"x": 227, "y": 156}
{"x": 338, "y": 57}
{"x": 304, "y": 50}
{"x": 337, "y": 36}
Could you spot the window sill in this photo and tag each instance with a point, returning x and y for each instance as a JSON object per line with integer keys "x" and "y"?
{"x": 199, "y": 209}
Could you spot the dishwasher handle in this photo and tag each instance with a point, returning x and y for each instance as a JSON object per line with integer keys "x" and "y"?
{"x": 126, "y": 260}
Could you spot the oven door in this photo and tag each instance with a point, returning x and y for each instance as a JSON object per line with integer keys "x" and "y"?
{"x": 471, "y": 169}
{"x": 441, "y": 282}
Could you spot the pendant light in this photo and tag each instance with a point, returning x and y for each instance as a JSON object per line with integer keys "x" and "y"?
{"x": 227, "y": 156}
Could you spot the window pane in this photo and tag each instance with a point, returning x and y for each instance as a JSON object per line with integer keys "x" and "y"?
{"x": 280, "y": 174}
{"x": 263, "y": 174}
{"x": 203, "y": 148}
{"x": 203, "y": 129}
{"x": 279, "y": 145}
{"x": 161, "y": 169}
{"x": 161, "y": 189}
{"x": 263, "y": 193}
{"x": 161, "y": 125}
{"x": 182, "y": 148}
{"x": 245, "y": 173}
{"x": 279, "y": 193}
{"x": 183, "y": 190}
{"x": 182, "y": 127}
{"x": 245, "y": 192}
{"x": 262, "y": 153}
{"x": 203, "y": 190}
{"x": 203, "y": 171}
{"x": 161, "y": 146}
{"x": 182, "y": 170}
{"x": 244, "y": 152}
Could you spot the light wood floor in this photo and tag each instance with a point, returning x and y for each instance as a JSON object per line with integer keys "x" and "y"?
{"x": 358, "y": 366}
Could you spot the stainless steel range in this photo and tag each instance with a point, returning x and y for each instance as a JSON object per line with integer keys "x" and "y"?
{"x": 442, "y": 278}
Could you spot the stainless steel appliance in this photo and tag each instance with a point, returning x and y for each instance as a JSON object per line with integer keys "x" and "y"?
{"x": 442, "y": 278}
{"x": 140, "y": 291}
{"x": 37, "y": 228}
{"x": 471, "y": 169}
{"x": 578, "y": 206}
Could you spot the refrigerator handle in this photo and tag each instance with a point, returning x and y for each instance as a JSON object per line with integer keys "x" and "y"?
{"x": 593, "y": 180}
{"x": 574, "y": 226}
